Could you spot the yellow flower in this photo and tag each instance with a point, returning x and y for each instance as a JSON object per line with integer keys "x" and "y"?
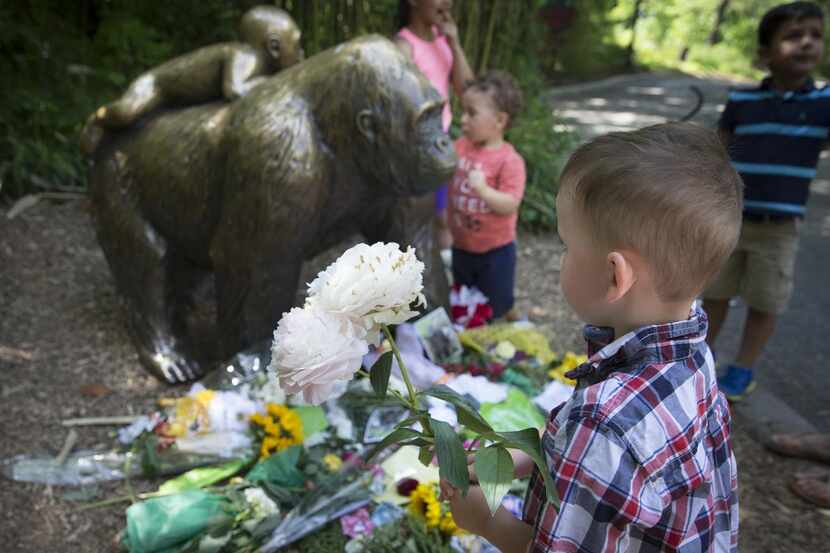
{"x": 283, "y": 428}
{"x": 448, "y": 526}
{"x": 416, "y": 499}
{"x": 433, "y": 513}
{"x": 271, "y": 427}
{"x": 204, "y": 397}
{"x": 176, "y": 429}
{"x": 569, "y": 362}
{"x": 190, "y": 414}
{"x": 333, "y": 462}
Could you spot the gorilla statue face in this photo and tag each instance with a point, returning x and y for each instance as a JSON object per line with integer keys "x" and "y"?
{"x": 402, "y": 127}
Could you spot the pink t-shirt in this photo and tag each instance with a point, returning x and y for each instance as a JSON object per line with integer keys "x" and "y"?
{"x": 474, "y": 227}
{"x": 434, "y": 59}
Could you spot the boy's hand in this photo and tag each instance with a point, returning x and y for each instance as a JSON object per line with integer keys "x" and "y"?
{"x": 478, "y": 181}
{"x": 470, "y": 513}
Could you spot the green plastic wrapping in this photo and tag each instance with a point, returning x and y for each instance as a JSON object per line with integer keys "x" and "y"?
{"x": 313, "y": 417}
{"x": 516, "y": 412}
{"x": 279, "y": 469}
{"x": 203, "y": 476}
{"x": 160, "y": 524}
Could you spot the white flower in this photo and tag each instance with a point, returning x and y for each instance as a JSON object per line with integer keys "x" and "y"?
{"x": 376, "y": 283}
{"x": 316, "y": 352}
{"x": 262, "y": 505}
{"x": 271, "y": 391}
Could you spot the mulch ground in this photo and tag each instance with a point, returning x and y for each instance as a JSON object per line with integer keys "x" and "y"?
{"x": 64, "y": 353}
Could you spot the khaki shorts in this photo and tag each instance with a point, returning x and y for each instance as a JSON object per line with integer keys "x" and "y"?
{"x": 761, "y": 268}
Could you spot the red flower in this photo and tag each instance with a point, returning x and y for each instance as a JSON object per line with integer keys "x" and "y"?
{"x": 406, "y": 486}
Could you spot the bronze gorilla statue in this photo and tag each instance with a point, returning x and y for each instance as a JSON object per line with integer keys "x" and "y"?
{"x": 346, "y": 141}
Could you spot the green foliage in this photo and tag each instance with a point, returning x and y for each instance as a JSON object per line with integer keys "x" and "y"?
{"x": 494, "y": 468}
{"x": 379, "y": 376}
{"x": 409, "y": 535}
{"x": 330, "y": 538}
{"x": 452, "y": 460}
{"x": 545, "y": 147}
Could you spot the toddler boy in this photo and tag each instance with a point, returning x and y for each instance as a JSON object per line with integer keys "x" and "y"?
{"x": 640, "y": 454}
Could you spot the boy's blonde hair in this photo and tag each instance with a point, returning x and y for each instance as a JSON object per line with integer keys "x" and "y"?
{"x": 668, "y": 192}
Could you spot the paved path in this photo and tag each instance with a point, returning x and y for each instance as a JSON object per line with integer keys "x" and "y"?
{"x": 794, "y": 374}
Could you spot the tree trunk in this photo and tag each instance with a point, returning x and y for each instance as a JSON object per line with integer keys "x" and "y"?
{"x": 488, "y": 41}
{"x": 471, "y": 33}
{"x": 632, "y": 24}
{"x": 716, "y": 37}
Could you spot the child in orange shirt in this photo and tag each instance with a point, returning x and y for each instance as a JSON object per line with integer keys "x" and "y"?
{"x": 486, "y": 191}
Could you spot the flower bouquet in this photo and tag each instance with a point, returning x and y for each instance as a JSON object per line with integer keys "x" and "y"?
{"x": 318, "y": 348}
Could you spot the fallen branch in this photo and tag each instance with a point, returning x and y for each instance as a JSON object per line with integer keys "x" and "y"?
{"x": 31, "y": 200}
{"x": 68, "y": 445}
{"x": 14, "y": 354}
{"x": 92, "y": 421}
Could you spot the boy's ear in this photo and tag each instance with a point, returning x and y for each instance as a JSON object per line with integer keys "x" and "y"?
{"x": 502, "y": 119}
{"x": 622, "y": 276}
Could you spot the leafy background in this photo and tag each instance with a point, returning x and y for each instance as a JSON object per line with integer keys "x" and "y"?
{"x": 61, "y": 59}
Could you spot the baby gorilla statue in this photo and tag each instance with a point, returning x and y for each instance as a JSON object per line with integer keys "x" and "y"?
{"x": 271, "y": 42}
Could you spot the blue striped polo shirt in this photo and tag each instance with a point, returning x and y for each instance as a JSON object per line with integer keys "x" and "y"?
{"x": 777, "y": 139}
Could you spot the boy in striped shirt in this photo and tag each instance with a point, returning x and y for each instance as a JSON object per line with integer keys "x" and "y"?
{"x": 774, "y": 133}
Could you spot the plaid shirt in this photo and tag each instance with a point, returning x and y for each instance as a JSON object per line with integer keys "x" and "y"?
{"x": 640, "y": 454}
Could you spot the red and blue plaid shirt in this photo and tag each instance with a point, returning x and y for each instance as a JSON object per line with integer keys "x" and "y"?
{"x": 640, "y": 454}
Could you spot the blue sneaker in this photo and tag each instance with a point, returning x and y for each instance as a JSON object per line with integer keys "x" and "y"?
{"x": 737, "y": 383}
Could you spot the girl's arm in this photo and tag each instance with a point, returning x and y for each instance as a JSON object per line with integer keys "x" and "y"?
{"x": 461, "y": 72}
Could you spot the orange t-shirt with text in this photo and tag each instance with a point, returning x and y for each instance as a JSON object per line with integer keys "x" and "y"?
{"x": 475, "y": 228}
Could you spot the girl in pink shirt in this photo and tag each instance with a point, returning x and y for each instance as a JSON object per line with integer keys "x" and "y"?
{"x": 486, "y": 191}
{"x": 428, "y": 36}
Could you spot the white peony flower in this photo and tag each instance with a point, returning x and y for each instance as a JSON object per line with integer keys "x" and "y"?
{"x": 376, "y": 283}
{"x": 261, "y": 505}
{"x": 316, "y": 352}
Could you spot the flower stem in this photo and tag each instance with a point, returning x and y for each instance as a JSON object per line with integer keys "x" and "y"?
{"x": 405, "y": 373}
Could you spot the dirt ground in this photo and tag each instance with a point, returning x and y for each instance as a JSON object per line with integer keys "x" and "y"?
{"x": 62, "y": 330}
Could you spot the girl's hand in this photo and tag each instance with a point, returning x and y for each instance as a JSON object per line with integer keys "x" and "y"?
{"x": 448, "y": 28}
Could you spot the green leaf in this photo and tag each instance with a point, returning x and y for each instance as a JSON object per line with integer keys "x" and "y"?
{"x": 412, "y": 420}
{"x": 418, "y": 442}
{"x": 399, "y": 435}
{"x": 494, "y": 468}
{"x": 379, "y": 375}
{"x": 527, "y": 440}
{"x": 452, "y": 460}
{"x": 425, "y": 455}
{"x": 467, "y": 414}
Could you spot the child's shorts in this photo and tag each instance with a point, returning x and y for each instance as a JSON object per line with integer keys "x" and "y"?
{"x": 493, "y": 272}
{"x": 761, "y": 268}
{"x": 441, "y": 198}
